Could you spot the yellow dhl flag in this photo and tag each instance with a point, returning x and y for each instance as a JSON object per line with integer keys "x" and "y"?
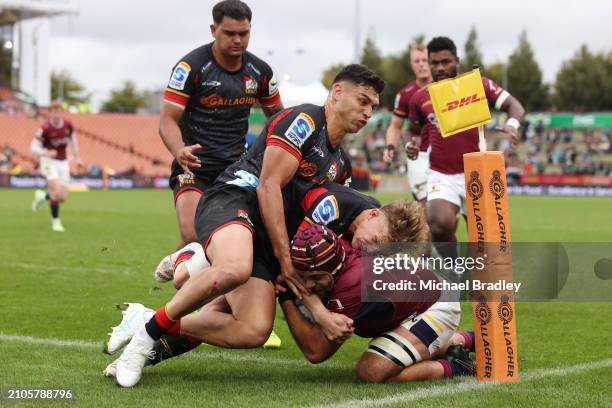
{"x": 460, "y": 103}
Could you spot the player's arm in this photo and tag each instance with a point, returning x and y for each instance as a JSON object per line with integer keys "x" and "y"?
{"x": 393, "y": 138}
{"x": 515, "y": 112}
{"x": 270, "y": 99}
{"x": 176, "y": 97}
{"x": 74, "y": 146}
{"x": 415, "y": 125}
{"x": 501, "y": 99}
{"x": 309, "y": 337}
{"x": 37, "y": 148}
{"x": 271, "y": 110}
{"x": 278, "y": 168}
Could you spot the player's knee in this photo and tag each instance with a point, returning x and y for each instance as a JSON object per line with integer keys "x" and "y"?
{"x": 259, "y": 335}
{"x": 252, "y": 335}
{"x": 441, "y": 228}
{"x": 236, "y": 273}
{"x": 370, "y": 373}
{"x": 316, "y": 357}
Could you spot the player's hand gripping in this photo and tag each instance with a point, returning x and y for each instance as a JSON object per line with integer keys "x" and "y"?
{"x": 52, "y": 154}
{"x": 388, "y": 154}
{"x": 512, "y": 131}
{"x": 185, "y": 158}
{"x": 336, "y": 327}
{"x": 293, "y": 279}
{"x": 412, "y": 148}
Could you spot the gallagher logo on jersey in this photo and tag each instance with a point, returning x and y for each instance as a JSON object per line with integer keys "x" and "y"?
{"x": 179, "y": 76}
{"x": 333, "y": 171}
{"x": 299, "y": 130}
{"x": 326, "y": 211}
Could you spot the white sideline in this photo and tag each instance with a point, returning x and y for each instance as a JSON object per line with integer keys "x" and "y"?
{"x": 225, "y": 355}
{"x": 464, "y": 386}
{"x": 68, "y": 268}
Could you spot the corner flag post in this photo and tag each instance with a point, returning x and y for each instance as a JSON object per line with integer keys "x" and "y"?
{"x": 460, "y": 104}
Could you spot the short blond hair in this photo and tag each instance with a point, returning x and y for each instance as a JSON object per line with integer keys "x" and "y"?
{"x": 56, "y": 105}
{"x": 407, "y": 222}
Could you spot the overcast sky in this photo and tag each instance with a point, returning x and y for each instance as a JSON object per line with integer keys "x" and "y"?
{"x": 114, "y": 40}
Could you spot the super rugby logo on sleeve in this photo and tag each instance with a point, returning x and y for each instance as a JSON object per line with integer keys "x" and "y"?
{"x": 326, "y": 211}
{"x": 272, "y": 86}
{"x": 299, "y": 130}
{"x": 179, "y": 76}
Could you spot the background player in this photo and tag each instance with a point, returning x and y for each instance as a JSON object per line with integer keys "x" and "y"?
{"x": 208, "y": 99}
{"x": 446, "y": 182}
{"x": 50, "y": 145}
{"x": 417, "y": 168}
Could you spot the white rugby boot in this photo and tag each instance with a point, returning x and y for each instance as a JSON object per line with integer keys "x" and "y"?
{"x": 39, "y": 197}
{"x": 56, "y": 225}
{"x": 134, "y": 358}
{"x": 135, "y": 316}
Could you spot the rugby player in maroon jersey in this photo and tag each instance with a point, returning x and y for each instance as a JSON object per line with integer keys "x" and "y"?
{"x": 405, "y": 334}
{"x": 206, "y": 109}
{"x": 51, "y": 145}
{"x": 418, "y": 167}
{"x": 446, "y": 182}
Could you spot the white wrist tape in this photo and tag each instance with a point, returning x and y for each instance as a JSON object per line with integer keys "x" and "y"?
{"x": 513, "y": 122}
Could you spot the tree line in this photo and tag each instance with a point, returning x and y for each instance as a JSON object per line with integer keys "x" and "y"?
{"x": 583, "y": 82}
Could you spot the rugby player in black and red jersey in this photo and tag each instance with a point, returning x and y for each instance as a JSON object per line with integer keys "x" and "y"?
{"x": 417, "y": 168}
{"x": 241, "y": 220}
{"x": 51, "y": 145}
{"x": 208, "y": 99}
{"x": 343, "y": 209}
{"x": 446, "y": 181}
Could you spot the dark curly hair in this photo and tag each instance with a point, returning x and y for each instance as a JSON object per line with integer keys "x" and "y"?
{"x": 441, "y": 44}
{"x": 360, "y": 75}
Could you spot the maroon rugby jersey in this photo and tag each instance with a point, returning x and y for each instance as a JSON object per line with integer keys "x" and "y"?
{"x": 55, "y": 138}
{"x": 446, "y": 154}
{"x": 401, "y": 108}
{"x": 371, "y": 319}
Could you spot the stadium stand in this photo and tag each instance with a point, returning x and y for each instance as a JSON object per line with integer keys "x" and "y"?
{"x": 122, "y": 143}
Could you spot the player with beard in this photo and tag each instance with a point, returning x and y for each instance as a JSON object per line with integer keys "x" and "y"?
{"x": 446, "y": 182}
{"x": 241, "y": 221}
{"x": 206, "y": 108}
{"x": 50, "y": 145}
{"x": 417, "y": 166}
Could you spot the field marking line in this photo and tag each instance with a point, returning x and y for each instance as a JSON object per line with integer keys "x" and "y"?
{"x": 224, "y": 355}
{"x": 465, "y": 386}
{"x": 126, "y": 271}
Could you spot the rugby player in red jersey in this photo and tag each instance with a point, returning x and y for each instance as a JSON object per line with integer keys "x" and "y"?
{"x": 50, "y": 144}
{"x": 446, "y": 182}
{"x": 417, "y": 168}
{"x": 208, "y": 99}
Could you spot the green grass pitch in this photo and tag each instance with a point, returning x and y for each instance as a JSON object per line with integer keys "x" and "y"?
{"x": 58, "y": 294}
